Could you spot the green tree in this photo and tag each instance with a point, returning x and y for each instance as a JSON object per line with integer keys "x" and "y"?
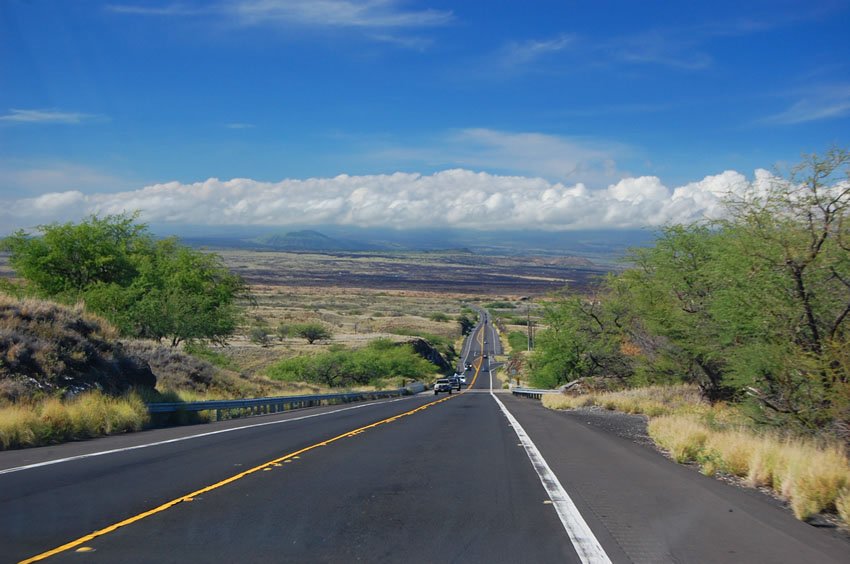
{"x": 672, "y": 290}
{"x": 68, "y": 258}
{"x": 583, "y": 337}
{"x": 755, "y": 306}
{"x": 148, "y": 288}
{"x": 313, "y": 332}
{"x": 794, "y": 289}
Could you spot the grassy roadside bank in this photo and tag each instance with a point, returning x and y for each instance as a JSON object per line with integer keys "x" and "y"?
{"x": 87, "y": 416}
{"x": 812, "y": 475}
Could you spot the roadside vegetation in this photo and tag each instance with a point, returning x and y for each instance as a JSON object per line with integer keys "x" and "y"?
{"x": 86, "y": 416}
{"x": 146, "y": 287}
{"x": 382, "y": 363}
{"x": 733, "y": 336}
{"x": 444, "y": 345}
{"x": 753, "y": 308}
{"x": 518, "y": 340}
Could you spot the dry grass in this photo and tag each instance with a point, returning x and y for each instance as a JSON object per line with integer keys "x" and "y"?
{"x": 842, "y": 505}
{"x": 682, "y": 436}
{"x": 809, "y": 474}
{"x": 813, "y": 476}
{"x": 652, "y": 400}
{"x": 89, "y": 415}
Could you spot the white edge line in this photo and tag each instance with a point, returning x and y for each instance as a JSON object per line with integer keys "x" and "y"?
{"x": 584, "y": 541}
{"x": 179, "y": 439}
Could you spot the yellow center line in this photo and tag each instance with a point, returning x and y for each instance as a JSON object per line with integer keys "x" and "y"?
{"x": 287, "y": 457}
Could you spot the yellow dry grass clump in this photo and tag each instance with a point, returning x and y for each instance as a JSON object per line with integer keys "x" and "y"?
{"x": 89, "y": 415}
{"x": 652, "y": 400}
{"x": 812, "y": 475}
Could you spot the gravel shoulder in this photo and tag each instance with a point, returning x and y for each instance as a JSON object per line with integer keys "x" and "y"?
{"x": 625, "y": 425}
{"x": 634, "y": 428}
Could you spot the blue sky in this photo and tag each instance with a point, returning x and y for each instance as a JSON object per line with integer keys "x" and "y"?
{"x": 116, "y": 105}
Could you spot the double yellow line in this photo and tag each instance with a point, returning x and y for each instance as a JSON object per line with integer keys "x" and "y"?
{"x": 266, "y": 465}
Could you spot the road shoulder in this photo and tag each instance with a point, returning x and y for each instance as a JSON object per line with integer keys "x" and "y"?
{"x": 656, "y": 510}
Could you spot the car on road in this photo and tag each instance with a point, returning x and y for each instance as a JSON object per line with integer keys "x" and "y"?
{"x": 442, "y": 385}
{"x": 468, "y": 366}
{"x": 462, "y": 378}
{"x": 455, "y": 382}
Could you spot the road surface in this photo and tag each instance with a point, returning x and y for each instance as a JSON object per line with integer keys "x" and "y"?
{"x": 479, "y": 476}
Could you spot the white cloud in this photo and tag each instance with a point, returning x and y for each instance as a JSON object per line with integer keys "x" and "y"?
{"x": 378, "y": 20}
{"x": 524, "y": 52}
{"x": 655, "y": 47}
{"x": 336, "y": 13}
{"x": 556, "y": 157}
{"x": 826, "y": 102}
{"x": 167, "y": 10}
{"x": 384, "y": 21}
{"x": 451, "y": 198}
{"x": 46, "y": 116}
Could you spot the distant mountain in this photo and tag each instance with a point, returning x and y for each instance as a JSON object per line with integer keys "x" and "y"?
{"x": 599, "y": 246}
{"x": 308, "y": 240}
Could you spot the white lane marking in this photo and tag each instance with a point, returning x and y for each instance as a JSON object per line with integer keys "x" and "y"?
{"x": 179, "y": 439}
{"x": 584, "y": 541}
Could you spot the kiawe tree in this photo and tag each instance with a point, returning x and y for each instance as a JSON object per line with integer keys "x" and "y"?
{"x": 313, "y": 332}
{"x": 68, "y": 258}
{"x": 794, "y": 233}
{"x": 754, "y": 307}
{"x": 149, "y": 288}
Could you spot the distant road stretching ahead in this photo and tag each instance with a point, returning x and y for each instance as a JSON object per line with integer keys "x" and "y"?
{"x": 473, "y": 477}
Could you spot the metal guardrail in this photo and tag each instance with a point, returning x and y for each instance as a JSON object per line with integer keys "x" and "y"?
{"x": 263, "y": 406}
{"x": 532, "y": 392}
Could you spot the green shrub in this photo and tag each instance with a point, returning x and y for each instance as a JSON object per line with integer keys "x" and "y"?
{"x": 259, "y": 336}
{"x": 518, "y": 340}
{"x": 381, "y": 359}
{"x": 313, "y": 332}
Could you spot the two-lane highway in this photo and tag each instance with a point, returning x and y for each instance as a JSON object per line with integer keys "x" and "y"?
{"x": 473, "y": 477}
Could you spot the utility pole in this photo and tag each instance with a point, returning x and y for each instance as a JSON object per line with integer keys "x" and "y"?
{"x": 529, "y": 328}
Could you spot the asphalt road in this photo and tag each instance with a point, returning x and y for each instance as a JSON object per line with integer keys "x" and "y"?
{"x": 400, "y": 480}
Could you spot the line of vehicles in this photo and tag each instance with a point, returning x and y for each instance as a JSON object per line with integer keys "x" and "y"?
{"x": 452, "y": 383}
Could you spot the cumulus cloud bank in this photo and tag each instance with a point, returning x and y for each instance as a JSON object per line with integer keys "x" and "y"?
{"x": 452, "y": 198}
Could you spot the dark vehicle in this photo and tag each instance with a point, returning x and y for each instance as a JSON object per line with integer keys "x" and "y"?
{"x": 455, "y": 382}
{"x": 442, "y": 385}
{"x": 468, "y": 366}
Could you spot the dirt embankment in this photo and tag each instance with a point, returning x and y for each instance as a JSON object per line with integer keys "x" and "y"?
{"x": 48, "y": 349}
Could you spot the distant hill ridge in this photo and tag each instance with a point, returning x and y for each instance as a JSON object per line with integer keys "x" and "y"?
{"x": 308, "y": 240}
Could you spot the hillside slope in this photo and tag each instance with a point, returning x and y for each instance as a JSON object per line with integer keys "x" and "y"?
{"x": 47, "y": 350}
